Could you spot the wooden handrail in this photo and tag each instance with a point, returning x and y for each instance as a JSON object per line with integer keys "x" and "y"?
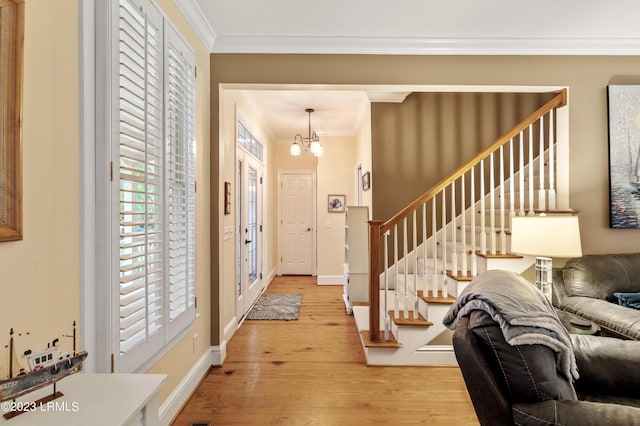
{"x": 558, "y": 101}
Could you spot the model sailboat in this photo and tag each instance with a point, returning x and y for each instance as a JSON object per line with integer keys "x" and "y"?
{"x": 46, "y": 367}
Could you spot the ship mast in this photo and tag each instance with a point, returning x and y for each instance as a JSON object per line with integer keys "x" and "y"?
{"x": 11, "y": 354}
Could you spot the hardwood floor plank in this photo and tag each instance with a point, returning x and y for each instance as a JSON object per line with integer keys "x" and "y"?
{"x": 312, "y": 372}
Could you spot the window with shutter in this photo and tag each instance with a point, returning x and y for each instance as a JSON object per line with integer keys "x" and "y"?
{"x": 156, "y": 180}
{"x": 181, "y": 179}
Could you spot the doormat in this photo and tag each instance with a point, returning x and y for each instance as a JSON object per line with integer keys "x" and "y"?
{"x": 284, "y": 307}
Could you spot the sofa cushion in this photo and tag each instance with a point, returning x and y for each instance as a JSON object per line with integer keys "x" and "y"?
{"x": 623, "y": 321}
{"x": 600, "y": 276}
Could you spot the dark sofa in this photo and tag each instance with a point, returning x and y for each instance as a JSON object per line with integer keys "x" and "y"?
{"x": 585, "y": 286}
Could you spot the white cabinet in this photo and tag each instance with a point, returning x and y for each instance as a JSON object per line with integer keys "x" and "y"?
{"x": 96, "y": 400}
{"x": 356, "y": 256}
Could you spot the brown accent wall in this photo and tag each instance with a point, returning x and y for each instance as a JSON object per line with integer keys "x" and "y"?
{"x": 420, "y": 141}
{"x": 585, "y": 76}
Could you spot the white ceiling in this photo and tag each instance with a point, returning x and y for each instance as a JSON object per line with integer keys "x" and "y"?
{"x": 417, "y": 26}
{"x": 337, "y": 113}
{"x": 567, "y": 27}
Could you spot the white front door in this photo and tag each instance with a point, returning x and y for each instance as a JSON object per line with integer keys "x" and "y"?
{"x": 248, "y": 232}
{"x": 297, "y": 233}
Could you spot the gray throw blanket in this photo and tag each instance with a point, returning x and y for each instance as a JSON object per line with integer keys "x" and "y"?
{"x": 523, "y": 313}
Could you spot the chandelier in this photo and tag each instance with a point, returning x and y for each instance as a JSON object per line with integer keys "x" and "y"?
{"x": 311, "y": 143}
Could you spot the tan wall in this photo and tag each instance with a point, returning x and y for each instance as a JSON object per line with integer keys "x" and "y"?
{"x": 237, "y": 106}
{"x": 40, "y": 281}
{"x": 586, "y": 77}
{"x": 336, "y": 175}
{"x": 420, "y": 141}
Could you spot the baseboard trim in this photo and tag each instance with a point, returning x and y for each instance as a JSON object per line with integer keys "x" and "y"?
{"x": 181, "y": 394}
{"x": 330, "y": 280}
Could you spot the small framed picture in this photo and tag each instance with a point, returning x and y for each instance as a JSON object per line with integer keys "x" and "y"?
{"x": 366, "y": 181}
{"x": 227, "y": 198}
{"x": 336, "y": 203}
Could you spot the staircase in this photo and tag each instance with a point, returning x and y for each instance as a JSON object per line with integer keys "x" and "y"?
{"x": 423, "y": 257}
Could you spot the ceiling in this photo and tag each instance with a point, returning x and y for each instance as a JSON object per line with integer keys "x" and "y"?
{"x": 337, "y": 112}
{"x": 550, "y": 27}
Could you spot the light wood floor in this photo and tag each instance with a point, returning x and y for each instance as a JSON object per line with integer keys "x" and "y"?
{"x": 312, "y": 372}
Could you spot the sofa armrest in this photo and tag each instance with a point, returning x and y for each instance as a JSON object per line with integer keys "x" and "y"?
{"x": 583, "y": 413}
{"x": 607, "y": 365}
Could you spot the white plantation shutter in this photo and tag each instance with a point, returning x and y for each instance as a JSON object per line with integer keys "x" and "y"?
{"x": 155, "y": 177}
{"x": 181, "y": 182}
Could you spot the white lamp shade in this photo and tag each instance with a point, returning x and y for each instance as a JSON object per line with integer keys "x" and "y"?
{"x": 546, "y": 235}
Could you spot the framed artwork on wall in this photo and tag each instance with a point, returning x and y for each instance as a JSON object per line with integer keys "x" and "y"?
{"x": 366, "y": 181}
{"x": 227, "y": 198}
{"x": 624, "y": 155}
{"x": 336, "y": 203}
{"x": 11, "y": 76}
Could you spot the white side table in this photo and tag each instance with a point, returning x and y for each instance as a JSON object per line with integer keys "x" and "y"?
{"x": 95, "y": 399}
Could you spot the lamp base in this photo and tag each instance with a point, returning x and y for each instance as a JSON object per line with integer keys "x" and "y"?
{"x": 543, "y": 276}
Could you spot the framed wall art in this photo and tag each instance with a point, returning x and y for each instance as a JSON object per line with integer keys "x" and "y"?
{"x": 336, "y": 203}
{"x": 624, "y": 155}
{"x": 11, "y": 56}
{"x": 227, "y": 198}
{"x": 366, "y": 181}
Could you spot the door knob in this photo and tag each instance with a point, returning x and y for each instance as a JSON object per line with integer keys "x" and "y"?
{"x": 308, "y": 229}
{"x": 247, "y": 241}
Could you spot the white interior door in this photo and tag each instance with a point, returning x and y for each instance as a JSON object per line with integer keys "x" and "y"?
{"x": 248, "y": 232}
{"x": 297, "y": 223}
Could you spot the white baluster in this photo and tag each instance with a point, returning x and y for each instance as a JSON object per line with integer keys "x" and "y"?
{"x": 541, "y": 191}
{"x": 512, "y": 182}
{"x": 434, "y": 247}
{"x": 521, "y": 175}
{"x": 483, "y": 219}
{"x": 503, "y": 234}
{"x": 492, "y": 205}
{"x": 387, "y": 319}
{"x": 463, "y": 226}
{"x": 454, "y": 236}
{"x": 425, "y": 281}
{"x": 405, "y": 311}
{"x": 474, "y": 259}
{"x": 552, "y": 162}
{"x": 444, "y": 239}
{"x": 531, "y": 211}
{"x": 396, "y": 294}
{"x": 415, "y": 265}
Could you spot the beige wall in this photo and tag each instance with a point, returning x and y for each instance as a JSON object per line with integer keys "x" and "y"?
{"x": 40, "y": 281}
{"x": 237, "y": 105}
{"x": 336, "y": 175}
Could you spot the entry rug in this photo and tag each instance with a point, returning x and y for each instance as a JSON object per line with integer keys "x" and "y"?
{"x": 284, "y": 307}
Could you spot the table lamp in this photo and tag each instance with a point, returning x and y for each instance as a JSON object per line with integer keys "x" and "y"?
{"x": 545, "y": 236}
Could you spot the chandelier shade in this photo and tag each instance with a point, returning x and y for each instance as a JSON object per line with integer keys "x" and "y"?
{"x": 310, "y": 143}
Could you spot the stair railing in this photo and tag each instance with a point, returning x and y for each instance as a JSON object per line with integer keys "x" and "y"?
{"x": 446, "y": 218}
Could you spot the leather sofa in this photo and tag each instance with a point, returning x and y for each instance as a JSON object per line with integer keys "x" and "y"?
{"x": 585, "y": 286}
{"x": 520, "y": 384}
{"x": 525, "y": 384}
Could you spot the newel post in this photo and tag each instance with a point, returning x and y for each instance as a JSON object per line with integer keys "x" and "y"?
{"x": 374, "y": 280}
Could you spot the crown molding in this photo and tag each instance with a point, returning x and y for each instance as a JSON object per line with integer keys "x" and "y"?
{"x": 427, "y": 45}
{"x": 198, "y": 22}
{"x": 391, "y": 97}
